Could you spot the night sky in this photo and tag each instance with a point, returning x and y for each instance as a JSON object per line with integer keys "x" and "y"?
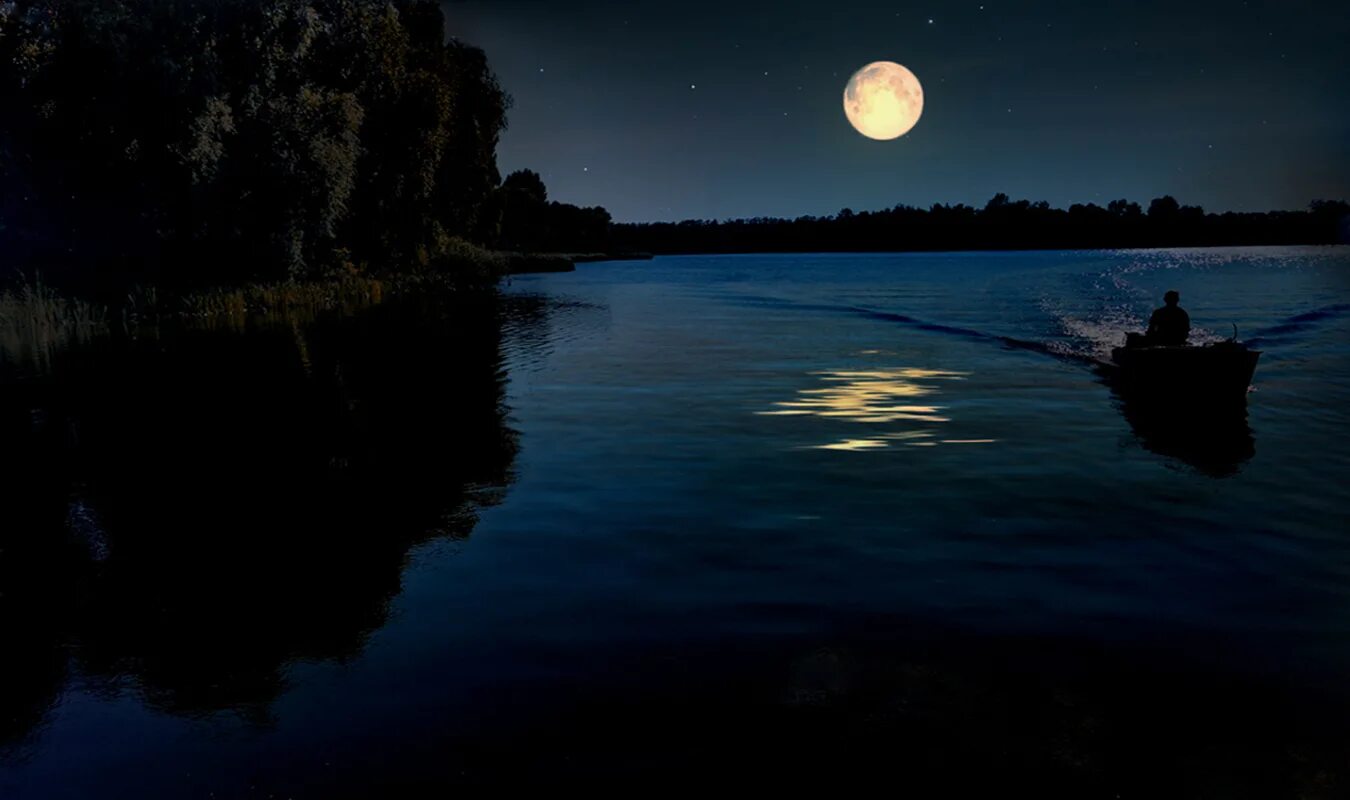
{"x": 704, "y": 109}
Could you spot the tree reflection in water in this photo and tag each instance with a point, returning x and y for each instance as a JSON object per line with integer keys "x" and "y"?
{"x": 186, "y": 513}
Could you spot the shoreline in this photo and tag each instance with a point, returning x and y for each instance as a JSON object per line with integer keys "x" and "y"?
{"x": 937, "y": 250}
{"x": 544, "y": 263}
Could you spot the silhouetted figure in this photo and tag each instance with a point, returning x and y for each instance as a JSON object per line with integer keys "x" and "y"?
{"x": 1170, "y": 325}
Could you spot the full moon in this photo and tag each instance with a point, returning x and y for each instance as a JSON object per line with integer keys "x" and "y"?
{"x": 883, "y": 100}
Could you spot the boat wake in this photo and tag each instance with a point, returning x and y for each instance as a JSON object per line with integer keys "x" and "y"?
{"x": 1060, "y": 350}
{"x": 1087, "y": 341}
{"x": 1298, "y": 324}
{"x": 951, "y": 330}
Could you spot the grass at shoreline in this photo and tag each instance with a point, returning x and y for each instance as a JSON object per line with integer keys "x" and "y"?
{"x": 36, "y": 320}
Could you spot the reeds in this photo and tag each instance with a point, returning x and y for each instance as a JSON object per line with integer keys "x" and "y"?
{"x": 292, "y": 300}
{"x": 36, "y": 321}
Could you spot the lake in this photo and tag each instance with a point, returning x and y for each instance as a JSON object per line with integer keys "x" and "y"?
{"x": 769, "y": 520}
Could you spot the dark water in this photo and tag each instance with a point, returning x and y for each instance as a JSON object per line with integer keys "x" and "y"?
{"x": 762, "y": 521}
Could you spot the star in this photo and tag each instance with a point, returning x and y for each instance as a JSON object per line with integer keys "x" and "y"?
{"x": 930, "y": 20}
{"x": 692, "y": 86}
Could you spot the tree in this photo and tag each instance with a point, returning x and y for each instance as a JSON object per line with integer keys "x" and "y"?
{"x": 524, "y": 207}
{"x": 530, "y": 223}
{"x": 1124, "y": 208}
{"x": 207, "y": 140}
{"x": 1163, "y": 208}
{"x": 528, "y": 183}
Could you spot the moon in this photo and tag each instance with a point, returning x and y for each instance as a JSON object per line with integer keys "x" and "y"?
{"x": 883, "y": 100}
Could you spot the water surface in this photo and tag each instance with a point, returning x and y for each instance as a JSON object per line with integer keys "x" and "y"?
{"x": 776, "y": 518}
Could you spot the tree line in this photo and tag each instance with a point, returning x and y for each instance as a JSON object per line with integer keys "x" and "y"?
{"x": 189, "y": 142}
{"x": 208, "y": 142}
{"x": 529, "y": 222}
{"x": 1002, "y": 224}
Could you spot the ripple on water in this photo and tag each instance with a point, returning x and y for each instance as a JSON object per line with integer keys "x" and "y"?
{"x": 878, "y": 397}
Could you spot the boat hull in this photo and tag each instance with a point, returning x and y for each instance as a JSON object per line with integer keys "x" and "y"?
{"x": 1186, "y": 374}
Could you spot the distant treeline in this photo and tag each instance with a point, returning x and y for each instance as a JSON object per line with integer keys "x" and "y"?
{"x": 1002, "y": 224}
{"x": 188, "y": 142}
{"x": 529, "y": 223}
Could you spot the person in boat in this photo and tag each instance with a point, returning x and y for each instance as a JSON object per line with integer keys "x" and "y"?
{"x": 1170, "y": 326}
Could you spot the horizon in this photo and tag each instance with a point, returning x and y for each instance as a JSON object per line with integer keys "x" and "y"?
{"x": 706, "y": 113}
{"x": 1143, "y": 204}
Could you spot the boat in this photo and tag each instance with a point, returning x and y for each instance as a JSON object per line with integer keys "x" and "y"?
{"x": 1186, "y": 374}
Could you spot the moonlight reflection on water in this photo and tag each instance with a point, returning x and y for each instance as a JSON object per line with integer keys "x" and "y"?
{"x": 878, "y": 397}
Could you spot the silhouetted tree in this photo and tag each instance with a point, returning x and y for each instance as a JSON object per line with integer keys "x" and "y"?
{"x": 1124, "y": 208}
{"x": 524, "y": 204}
{"x": 528, "y": 183}
{"x": 1164, "y": 208}
{"x": 529, "y": 223}
{"x": 1333, "y": 215}
{"x": 210, "y": 139}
